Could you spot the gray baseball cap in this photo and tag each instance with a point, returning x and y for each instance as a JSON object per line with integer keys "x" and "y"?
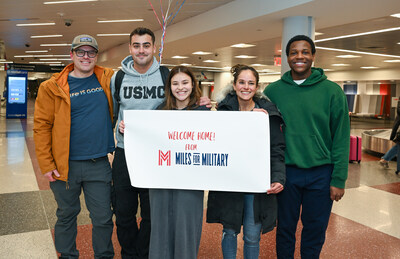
{"x": 84, "y": 40}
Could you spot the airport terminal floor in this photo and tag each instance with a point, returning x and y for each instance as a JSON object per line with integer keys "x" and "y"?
{"x": 364, "y": 224}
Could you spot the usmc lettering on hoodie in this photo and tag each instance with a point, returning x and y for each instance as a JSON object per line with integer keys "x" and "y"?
{"x": 143, "y": 92}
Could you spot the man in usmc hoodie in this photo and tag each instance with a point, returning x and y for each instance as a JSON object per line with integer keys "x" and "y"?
{"x": 141, "y": 89}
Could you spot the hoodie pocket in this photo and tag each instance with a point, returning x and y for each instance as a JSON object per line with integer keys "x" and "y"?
{"x": 305, "y": 147}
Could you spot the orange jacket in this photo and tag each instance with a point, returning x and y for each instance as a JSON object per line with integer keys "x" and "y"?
{"x": 52, "y": 119}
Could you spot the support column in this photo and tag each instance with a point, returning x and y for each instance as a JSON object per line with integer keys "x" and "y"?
{"x": 292, "y": 26}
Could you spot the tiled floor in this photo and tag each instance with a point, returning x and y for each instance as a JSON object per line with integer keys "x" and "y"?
{"x": 365, "y": 224}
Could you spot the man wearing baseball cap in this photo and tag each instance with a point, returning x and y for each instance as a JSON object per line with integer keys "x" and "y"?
{"x": 73, "y": 135}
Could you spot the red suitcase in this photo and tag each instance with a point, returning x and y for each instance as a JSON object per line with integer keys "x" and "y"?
{"x": 355, "y": 149}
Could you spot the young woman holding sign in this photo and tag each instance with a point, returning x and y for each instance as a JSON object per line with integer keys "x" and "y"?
{"x": 257, "y": 212}
{"x": 177, "y": 215}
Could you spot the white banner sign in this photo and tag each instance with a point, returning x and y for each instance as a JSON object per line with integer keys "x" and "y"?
{"x": 199, "y": 150}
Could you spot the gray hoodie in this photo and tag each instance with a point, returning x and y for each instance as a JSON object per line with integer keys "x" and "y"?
{"x": 138, "y": 91}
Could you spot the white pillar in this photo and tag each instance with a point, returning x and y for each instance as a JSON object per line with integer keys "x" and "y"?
{"x": 292, "y": 26}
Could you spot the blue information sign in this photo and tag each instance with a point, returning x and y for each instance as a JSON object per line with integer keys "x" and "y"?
{"x": 17, "y": 84}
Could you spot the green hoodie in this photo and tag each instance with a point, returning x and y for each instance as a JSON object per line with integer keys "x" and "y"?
{"x": 317, "y": 122}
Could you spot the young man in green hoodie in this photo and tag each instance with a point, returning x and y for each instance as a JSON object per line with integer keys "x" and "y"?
{"x": 317, "y": 135}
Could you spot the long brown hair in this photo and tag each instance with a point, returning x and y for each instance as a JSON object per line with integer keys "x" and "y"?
{"x": 170, "y": 100}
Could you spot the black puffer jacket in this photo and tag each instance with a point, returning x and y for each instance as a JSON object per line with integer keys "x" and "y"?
{"x": 227, "y": 207}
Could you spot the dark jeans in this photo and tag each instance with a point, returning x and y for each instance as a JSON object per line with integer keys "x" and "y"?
{"x": 94, "y": 178}
{"x": 134, "y": 241}
{"x": 308, "y": 191}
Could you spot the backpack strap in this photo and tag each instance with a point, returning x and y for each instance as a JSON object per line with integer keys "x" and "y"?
{"x": 164, "y": 74}
{"x": 118, "y": 82}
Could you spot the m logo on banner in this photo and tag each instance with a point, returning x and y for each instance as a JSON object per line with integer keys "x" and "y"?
{"x": 164, "y": 157}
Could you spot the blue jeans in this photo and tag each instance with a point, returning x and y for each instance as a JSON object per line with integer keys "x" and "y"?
{"x": 251, "y": 234}
{"x": 94, "y": 178}
{"x": 307, "y": 191}
{"x": 394, "y": 151}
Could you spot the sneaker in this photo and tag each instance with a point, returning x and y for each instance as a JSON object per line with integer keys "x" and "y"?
{"x": 384, "y": 163}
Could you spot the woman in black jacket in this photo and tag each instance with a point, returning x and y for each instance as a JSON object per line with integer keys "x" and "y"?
{"x": 255, "y": 211}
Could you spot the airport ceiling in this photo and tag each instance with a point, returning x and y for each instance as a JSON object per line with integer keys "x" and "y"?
{"x": 205, "y": 25}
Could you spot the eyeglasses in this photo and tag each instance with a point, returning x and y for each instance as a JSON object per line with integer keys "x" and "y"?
{"x": 81, "y": 53}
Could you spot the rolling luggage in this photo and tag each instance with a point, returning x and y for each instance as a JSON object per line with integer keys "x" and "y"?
{"x": 355, "y": 149}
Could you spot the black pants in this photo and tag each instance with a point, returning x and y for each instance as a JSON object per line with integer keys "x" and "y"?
{"x": 134, "y": 241}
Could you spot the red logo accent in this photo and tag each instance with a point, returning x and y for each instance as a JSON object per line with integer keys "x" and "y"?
{"x": 164, "y": 157}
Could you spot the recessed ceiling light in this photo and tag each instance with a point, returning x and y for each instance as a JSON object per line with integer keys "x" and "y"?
{"x": 178, "y": 57}
{"x": 46, "y": 36}
{"x": 112, "y": 34}
{"x": 186, "y": 64}
{"x": 36, "y": 24}
{"x": 201, "y": 53}
{"x": 359, "y": 52}
{"x": 397, "y": 15}
{"x": 242, "y": 45}
{"x": 348, "y": 56}
{"x": 257, "y": 65}
{"x": 318, "y": 33}
{"x": 340, "y": 65}
{"x": 49, "y": 59}
{"x": 131, "y": 20}
{"x": 369, "y": 67}
{"x": 328, "y": 69}
{"x": 245, "y": 56}
{"x": 55, "y": 45}
{"x": 359, "y": 34}
{"x": 44, "y": 62}
{"x": 392, "y": 61}
{"x": 69, "y": 1}
{"x": 36, "y": 51}
{"x": 210, "y": 61}
{"x": 398, "y": 43}
{"x": 6, "y": 62}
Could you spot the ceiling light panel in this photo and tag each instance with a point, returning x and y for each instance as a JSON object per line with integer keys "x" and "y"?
{"x": 46, "y": 36}
{"x": 69, "y": 1}
{"x": 36, "y": 24}
{"x": 359, "y": 52}
{"x": 242, "y": 45}
{"x": 369, "y": 67}
{"x": 358, "y": 34}
{"x": 112, "y": 34}
{"x": 178, "y": 57}
{"x": 340, "y": 65}
{"x": 211, "y": 61}
{"x": 348, "y": 56}
{"x": 36, "y": 51}
{"x": 55, "y": 45}
{"x": 131, "y": 20}
{"x": 201, "y": 53}
{"x": 392, "y": 61}
{"x": 245, "y": 56}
